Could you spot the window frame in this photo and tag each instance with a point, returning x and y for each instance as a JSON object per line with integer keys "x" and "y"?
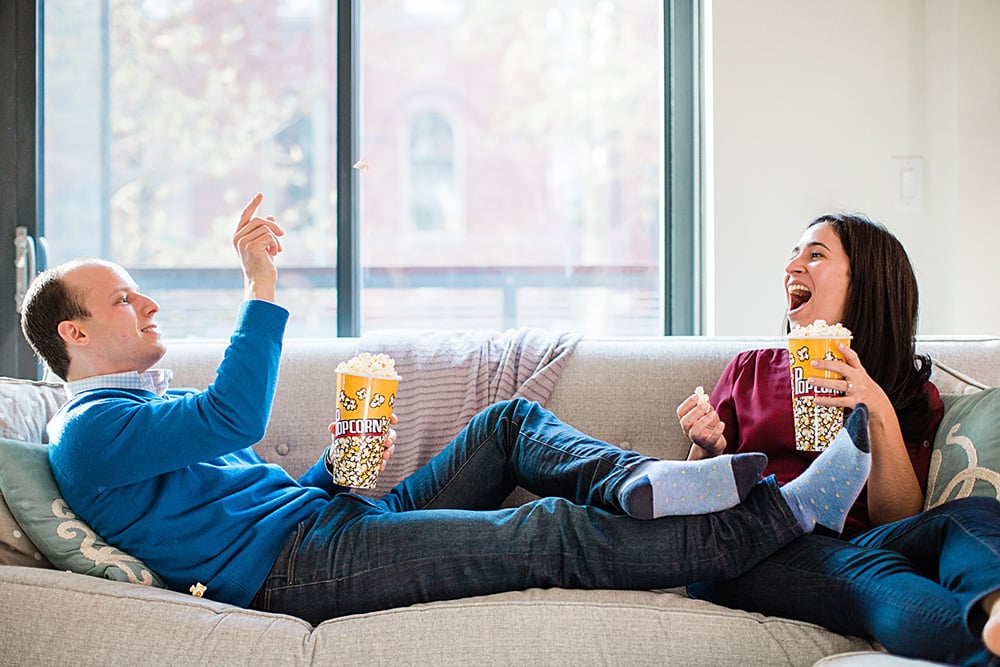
{"x": 21, "y": 166}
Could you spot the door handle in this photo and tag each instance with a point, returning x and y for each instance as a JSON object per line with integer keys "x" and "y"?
{"x": 24, "y": 264}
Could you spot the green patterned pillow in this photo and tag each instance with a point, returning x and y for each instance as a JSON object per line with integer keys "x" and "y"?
{"x": 966, "y": 457}
{"x": 69, "y": 543}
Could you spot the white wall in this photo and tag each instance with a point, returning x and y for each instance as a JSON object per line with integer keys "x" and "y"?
{"x": 813, "y": 105}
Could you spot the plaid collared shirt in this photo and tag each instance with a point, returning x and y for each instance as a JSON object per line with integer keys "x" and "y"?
{"x": 156, "y": 380}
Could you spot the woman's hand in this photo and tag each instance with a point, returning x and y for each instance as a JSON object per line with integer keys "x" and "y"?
{"x": 893, "y": 490}
{"x": 856, "y": 385}
{"x": 701, "y": 424}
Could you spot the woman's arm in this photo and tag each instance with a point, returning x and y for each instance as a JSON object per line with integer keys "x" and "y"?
{"x": 893, "y": 490}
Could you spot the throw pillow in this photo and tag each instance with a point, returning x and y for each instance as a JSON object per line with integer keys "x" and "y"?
{"x": 966, "y": 456}
{"x": 26, "y": 407}
{"x": 34, "y": 500}
{"x": 15, "y": 547}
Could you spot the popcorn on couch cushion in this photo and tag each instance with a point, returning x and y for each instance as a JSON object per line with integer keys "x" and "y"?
{"x": 966, "y": 457}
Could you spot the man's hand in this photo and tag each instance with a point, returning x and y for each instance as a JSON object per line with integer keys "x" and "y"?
{"x": 256, "y": 242}
{"x": 390, "y": 441}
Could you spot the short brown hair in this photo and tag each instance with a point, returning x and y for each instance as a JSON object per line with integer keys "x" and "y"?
{"x": 49, "y": 301}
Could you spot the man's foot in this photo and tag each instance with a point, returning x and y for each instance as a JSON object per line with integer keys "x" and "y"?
{"x": 669, "y": 488}
{"x": 825, "y": 492}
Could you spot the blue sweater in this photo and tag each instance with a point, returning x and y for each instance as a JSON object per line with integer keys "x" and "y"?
{"x": 172, "y": 480}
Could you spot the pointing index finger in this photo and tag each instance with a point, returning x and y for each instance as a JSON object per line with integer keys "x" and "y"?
{"x": 247, "y": 215}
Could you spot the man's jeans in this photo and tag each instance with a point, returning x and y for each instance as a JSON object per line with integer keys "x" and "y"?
{"x": 915, "y": 586}
{"x": 441, "y": 535}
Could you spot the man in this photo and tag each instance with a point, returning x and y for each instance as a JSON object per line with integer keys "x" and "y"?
{"x": 169, "y": 476}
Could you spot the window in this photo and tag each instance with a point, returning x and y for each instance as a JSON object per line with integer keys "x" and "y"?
{"x": 433, "y": 196}
{"x": 513, "y": 155}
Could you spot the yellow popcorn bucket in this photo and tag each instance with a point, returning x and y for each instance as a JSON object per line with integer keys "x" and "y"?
{"x": 364, "y": 405}
{"x": 815, "y": 426}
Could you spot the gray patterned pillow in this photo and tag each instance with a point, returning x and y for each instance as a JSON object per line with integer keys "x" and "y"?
{"x": 966, "y": 456}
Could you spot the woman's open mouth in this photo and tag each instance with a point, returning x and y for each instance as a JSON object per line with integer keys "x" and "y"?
{"x": 798, "y": 295}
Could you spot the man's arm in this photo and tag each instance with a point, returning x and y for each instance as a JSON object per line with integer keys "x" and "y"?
{"x": 141, "y": 439}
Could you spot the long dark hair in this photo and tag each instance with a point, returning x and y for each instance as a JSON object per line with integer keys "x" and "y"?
{"x": 881, "y": 312}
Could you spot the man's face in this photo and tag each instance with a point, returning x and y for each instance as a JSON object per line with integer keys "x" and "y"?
{"x": 120, "y": 334}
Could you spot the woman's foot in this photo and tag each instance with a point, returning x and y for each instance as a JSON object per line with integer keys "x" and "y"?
{"x": 991, "y": 631}
{"x": 825, "y": 492}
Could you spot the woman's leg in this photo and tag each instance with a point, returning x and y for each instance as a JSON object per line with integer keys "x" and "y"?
{"x": 915, "y": 586}
{"x": 956, "y": 544}
{"x": 358, "y": 555}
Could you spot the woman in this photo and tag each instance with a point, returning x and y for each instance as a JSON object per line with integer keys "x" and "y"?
{"x": 921, "y": 584}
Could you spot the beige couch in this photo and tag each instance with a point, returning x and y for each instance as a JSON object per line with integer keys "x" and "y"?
{"x": 624, "y": 391}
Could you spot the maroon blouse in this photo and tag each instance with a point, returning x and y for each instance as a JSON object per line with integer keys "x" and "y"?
{"x": 754, "y": 400}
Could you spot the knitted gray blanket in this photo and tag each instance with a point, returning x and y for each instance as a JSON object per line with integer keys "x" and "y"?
{"x": 449, "y": 376}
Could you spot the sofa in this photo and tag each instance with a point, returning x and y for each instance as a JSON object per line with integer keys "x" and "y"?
{"x": 621, "y": 390}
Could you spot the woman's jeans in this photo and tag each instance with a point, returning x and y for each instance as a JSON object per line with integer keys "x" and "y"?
{"x": 441, "y": 535}
{"x": 915, "y": 586}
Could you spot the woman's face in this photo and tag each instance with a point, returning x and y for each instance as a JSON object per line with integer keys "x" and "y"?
{"x": 817, "y": 277}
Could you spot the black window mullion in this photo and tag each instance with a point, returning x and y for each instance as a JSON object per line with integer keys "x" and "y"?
{"x": 680, "y": 166}
{"x": 20, "y": 166}
{"x": 348, "y": 243}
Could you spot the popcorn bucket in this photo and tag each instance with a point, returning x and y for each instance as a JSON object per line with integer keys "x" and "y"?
{"x": 815, "y": 426}
{"x": 364, "y": 405}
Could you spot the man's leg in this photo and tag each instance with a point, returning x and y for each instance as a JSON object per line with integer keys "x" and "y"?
{"x": 519, "y": 443}
{"x": 360, "y": 555}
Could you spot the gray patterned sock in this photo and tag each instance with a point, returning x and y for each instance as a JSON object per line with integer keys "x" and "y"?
{"x": 670, "y": 488}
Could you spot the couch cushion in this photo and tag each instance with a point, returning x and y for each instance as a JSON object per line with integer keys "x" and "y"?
{"x": 100, "y": 621}
{"x": 966, "y": 457}
{"x": 34, "y": 500}
{"x": 26, "y": 407}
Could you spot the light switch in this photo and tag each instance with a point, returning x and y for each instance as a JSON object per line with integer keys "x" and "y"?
{"x": 909, "y": 176}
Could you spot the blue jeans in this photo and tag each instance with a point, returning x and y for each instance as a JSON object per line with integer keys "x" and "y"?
{"x": 915, "y": 586}
{"x": 440, "y": 534}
